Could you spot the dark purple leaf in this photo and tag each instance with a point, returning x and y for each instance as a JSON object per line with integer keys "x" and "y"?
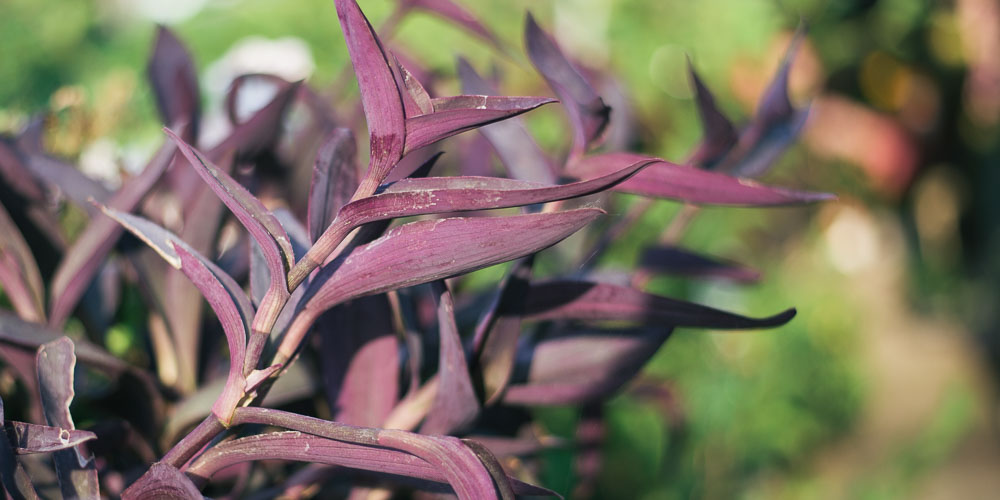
{"x": 260, "y": 131}
{"x": 14, "y": 173}
{"x": 27, "y": 336}
{"x": 454, "y": 12}
{"x": 22, "y": 284}
{"x": 584, "y": 366}
{"x": 74, "y": 467}
{"x": 34, "y": 438}
{"x": 360, "y": 356}
{"x": 380, "y": 98}
{"x": 414, "y": 196}
{"x": 429, "y": 250}
{"x": 574, "y": 300}
{"x": 677, "y": 261}
{"x": 83, "y": 260}
{"x": 13, "y": 477}
{"x": 587, "y": 112}
{"x": 454, "y": 115}
{"x": 517, "y": 150}
{"x": 334, "y": 180}
{"x": 175, "y": 83}
{"x": 76, "y": 186}
{"x": 499, "y": 330}
{"x": 162, "y": 481}
{"x": 719, "y": 134}
{"x": 222, "y": 293}
{"x": 667, "y": 180}
{"x": 455, "y": 404}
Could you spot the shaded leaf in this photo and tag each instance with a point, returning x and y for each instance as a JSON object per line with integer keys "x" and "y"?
{"x": 718, "y": 133}
{"x": 12, "y": 474}
{"x": 455, "y": 404}
{"x": 499, "y": 330}
{"x": 162, "y": 481}
{"x": 334, "y": 180}
{"x": 380, "y": 98}
{"x": 28, "y": 336}
{"x": 14, "y": 173}
{"x": 19, "y": 276}
{"x": 454, "y": 115}
{"x": 587, "y": 112}
{"x": 517, "y": 149}
{"x": 678, "y": 261}
{"x": 174, "y": 79}
{"x": 74, "y": 467}
{"x": 85, "y": 257}
{"x": 574, "y": 300}
{"x": 667, "y": 180}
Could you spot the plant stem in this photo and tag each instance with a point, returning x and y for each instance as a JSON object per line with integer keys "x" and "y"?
{"x": 193, "y": 442}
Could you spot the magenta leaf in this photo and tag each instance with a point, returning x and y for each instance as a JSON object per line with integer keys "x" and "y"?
{"x": 498, "y": 332}
{"x": 429, "y": 250}
{"x": 455, "y": 404}
{"x": 587, "y": 112}
{"x": 163, "y": 481}
{"x": 258, "y": 220}
{"x": 416, "y": 196}
{"x": 454, "y": 12}
{"x": 677, "y": 261}
{"x": 517, "y": 150}
{"x": 575, "y": 300}
{"x": 334, "y": 180}
{"x": 222, "y": 293}
{"x": 454, "y": 115}
{"x": 175, "y": 83}
{"x": 719, "y": 134}
{"x": 584, "y": 366}
{"x": 663, "y": 179}
{"x": 75, "y": 467}
{"x": 34, "y": 438}
{"x": 22, "y": 284}
{"x": 85, "y": 257}
{"x": 360, "y": 356}
{"x": 380, "y": 98}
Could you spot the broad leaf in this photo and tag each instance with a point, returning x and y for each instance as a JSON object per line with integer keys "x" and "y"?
{"x": 666, "y": 180}
{"x": 429, "y": 250}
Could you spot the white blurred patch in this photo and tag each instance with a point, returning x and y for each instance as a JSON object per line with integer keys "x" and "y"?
{"x": 852, "y": 240}
{"x": 97, "y": 161}
{"x": 288, "y": 57}
{"x": 161, "y": 11}
{"x": 581, "y": 28}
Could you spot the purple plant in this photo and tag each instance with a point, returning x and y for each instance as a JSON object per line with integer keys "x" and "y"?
{"x": 342, "y": 295}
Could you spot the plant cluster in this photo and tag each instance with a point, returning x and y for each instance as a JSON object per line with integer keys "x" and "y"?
{"x": 354, "y": 297}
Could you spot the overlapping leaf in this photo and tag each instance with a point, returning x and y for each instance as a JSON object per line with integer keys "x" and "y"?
{"x": 663, "y": 179}
{"x": 13, "y": 477}
{"x": 454, "y": 115}
{"x": 334, "y": 179}
{"x": 22, "y": 284}
{"x": 35, "y": 438}
{"x": 677, "y": 261}
{"x": 455, "y": 404}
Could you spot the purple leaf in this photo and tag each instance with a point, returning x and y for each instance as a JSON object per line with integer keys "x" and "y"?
{"x": 334, "y": 180}
{"x": 416, "y": 100}
{"x": 27, "y": 336}
{"x": 587, "y": 112}
{"x": 574, "y": 300}
{"x": 499, "y": 330}
{"x": 429, "y": 250}
{"x": 13, "y": 477}
{"x": 517, "y": 150}
{"x": 414, "y": 196}
{"x": 584, "y": 366}
{"x": 454, "y": 115}
{"x": 667, "y": 180}
{"x": 175, "y": 83}
{"x": 222, "y": 293}
{"x": 71, "y": 182}
{"x": 455, "y": 404}
{"x": 382, "y": 103}
{"x": 454, "y": 12}
{"x": 260, "y": 131}
{"x": 22, "y": 284}
{"x": 675, "y": 260}
{"x": 14, "y": 173}
{"x": 88, "y": 253}
{"x": 719, "y": 134}
{"x": 74, "y": 467}
{"x": 34, "y": 438}
{"x": 360, "y": 356}
{"x": 162, "y": 481}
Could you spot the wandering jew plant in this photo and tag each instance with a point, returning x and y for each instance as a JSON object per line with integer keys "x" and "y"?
{"x": 345, "y": 299}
